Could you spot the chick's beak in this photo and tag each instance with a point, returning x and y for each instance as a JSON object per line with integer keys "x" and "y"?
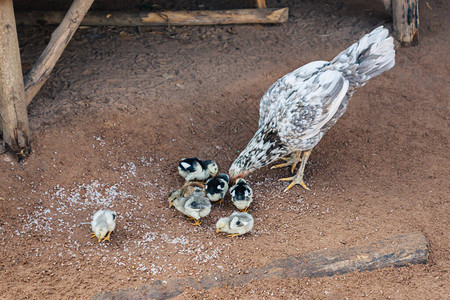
{"x": 99, "y": 240}
{"x": 170, "y": 204}
{"x": 217, "y": 230}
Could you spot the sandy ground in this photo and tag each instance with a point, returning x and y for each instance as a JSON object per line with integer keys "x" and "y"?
{"x": 122, "y": 107}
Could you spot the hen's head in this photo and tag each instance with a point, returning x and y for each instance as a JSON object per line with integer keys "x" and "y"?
{"x": 264, "y": 148}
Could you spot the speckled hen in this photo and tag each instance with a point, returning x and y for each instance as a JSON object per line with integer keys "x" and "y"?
{"x": 303, "y": 105}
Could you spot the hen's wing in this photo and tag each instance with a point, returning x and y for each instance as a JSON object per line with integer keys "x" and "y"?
{"x": 281, "y": 90}
{"x": 302, "y": 116}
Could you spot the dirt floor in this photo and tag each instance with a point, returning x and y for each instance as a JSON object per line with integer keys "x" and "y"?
{"x": 123, "y": 106}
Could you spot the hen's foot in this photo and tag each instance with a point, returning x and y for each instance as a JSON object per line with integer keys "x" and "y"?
{"x": 298, "y": 178}
{"x": 292, "y": 161}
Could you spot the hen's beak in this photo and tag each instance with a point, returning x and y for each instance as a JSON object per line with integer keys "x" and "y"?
{"x": 241, "y": 175}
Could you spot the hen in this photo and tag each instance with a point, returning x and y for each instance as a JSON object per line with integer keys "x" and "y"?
{"x": 303, "y": 105}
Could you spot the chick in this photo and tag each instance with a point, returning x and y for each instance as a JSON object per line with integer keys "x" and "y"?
{"x": 194, "y": 205}
{"x": 186, "y": 190}
{"x": 196, "y": 169}
{"x": 217, "y": 187}
{"x": 237, "y": 224}
{"x": 103, "y": 223}
{"x": 241, "y": 194}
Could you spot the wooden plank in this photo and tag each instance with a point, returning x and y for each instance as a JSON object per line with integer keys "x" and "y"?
{"x": 60, "y": 38}
{"x": 405, "y": 15}
{"x": 179, "y": 18}
{"x": 13, "y": 109}
{"x": 397, "y": 251}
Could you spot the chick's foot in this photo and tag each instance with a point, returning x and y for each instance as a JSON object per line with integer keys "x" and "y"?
{"x": 107, "y": 237}
{"x": 196, "y": 222}
{"x": 233, "y": 235}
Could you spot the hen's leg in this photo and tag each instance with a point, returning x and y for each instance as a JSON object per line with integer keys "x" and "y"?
{"x": 298, "y": 178}
{"x": 292, "y": 161}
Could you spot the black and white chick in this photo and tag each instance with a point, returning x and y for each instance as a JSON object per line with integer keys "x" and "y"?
{"x": 238, "y": 223}
{"x": 103, "y": 223}
{"x": 196, "y": 169}
{"x": 241, "y": 195}
{"x": 217, "y": 187}
{"x": 194, "y": 205}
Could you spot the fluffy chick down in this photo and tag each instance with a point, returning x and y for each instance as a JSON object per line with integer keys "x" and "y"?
{"x": 238, "y": 223}
{"x": 217, "y": 187}
{"x": 103, "y": 223}
{"x": 196, "y": 169}
{"x": 241, "y": 194}
{"x": 193, "y": 204}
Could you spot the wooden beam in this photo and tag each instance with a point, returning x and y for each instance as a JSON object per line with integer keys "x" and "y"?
{"x": 58, "y": 42}
{"x": 397, "y": 251}
{"x": 13, "y": 108}
{"x": 178, "y": 18}
{"x": 405, "y": 15}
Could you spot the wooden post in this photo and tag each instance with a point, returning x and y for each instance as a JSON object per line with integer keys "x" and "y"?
{"x": 261, "y": 4}
{"x": 13, "y": 107}
{"x": 388, "y": 5}
{"x": 406, "y": 21}
{"x": 58, "y": 42}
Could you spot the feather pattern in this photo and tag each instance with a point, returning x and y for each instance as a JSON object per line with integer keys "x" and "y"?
{"x": 298, "y": 109}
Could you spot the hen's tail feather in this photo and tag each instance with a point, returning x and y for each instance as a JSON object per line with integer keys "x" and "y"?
{"x": 372, "y": 55}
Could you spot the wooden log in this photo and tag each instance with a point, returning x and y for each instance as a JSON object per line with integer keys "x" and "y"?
{"x": 58, "y": 42}
{"x": 397, "y": 251}
{"x": 405, "y": 15}
{"x": 13, "y": 109}
{"x": 164, "y": 18}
